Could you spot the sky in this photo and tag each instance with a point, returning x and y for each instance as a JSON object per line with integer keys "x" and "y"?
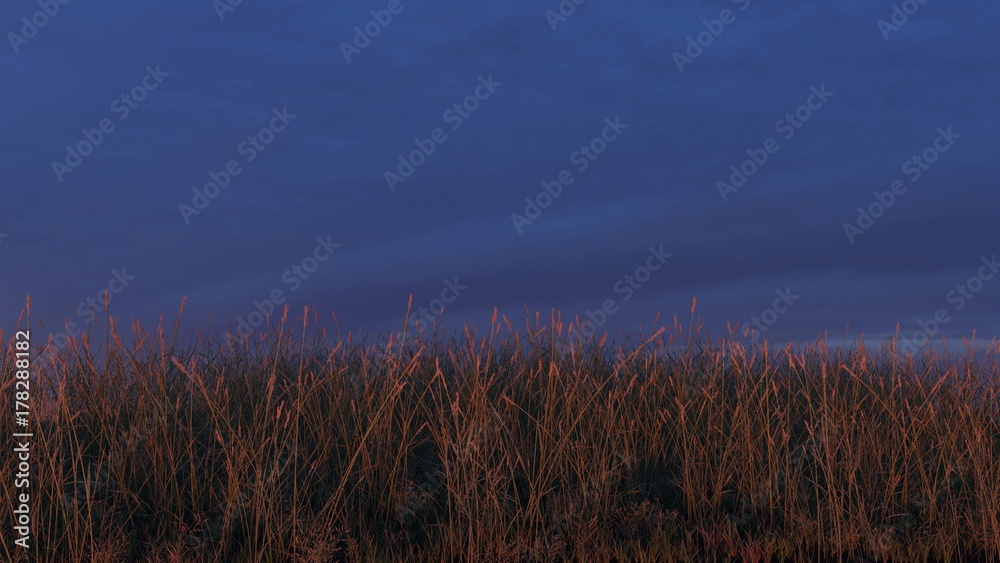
{"x": 805, "y": 168}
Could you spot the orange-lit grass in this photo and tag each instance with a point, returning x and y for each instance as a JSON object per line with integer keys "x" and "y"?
{"x": 507, "y": 445}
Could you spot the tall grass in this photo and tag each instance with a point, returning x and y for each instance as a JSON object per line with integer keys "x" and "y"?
{"x": 519, "y": 444}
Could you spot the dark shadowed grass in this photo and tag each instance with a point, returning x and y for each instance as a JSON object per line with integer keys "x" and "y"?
{"x": 508, "y": 446}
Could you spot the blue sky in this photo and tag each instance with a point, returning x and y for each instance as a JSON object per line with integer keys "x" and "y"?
{"x": 208, "y": 82}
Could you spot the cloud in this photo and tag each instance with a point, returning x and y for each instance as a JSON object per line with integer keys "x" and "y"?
{"x": 656, "y": 185}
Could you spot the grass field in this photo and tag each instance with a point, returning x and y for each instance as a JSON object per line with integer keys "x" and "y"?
{"x": 505, "y": 446}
